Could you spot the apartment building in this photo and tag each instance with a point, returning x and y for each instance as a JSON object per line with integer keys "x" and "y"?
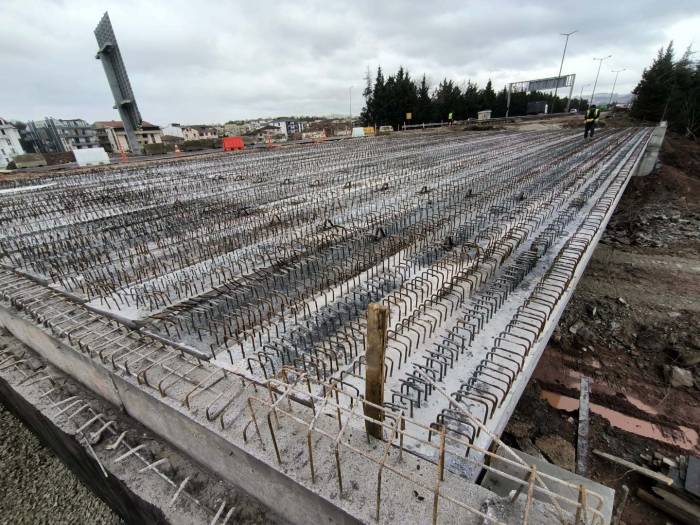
{"x": 112, "y": 136}
{"x": 53, "y": 135}
{"x": 10, "y": 146}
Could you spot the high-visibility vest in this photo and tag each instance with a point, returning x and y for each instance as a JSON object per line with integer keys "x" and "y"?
{"x": 592, "y": 115}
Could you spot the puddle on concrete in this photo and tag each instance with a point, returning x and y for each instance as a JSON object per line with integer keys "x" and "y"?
{"x": 683, "y": 437}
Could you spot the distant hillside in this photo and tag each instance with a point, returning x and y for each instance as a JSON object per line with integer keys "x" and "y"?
{"x": 604, "y": 98}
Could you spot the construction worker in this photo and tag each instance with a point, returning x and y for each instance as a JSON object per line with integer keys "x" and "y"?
{"x": 450, "y": 120}
{"x": 591, "y": 118}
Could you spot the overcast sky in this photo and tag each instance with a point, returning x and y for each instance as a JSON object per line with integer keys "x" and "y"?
{"x": 211, "y": 61}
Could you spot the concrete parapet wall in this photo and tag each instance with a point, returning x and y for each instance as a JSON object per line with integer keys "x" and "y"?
{"x": 125, "y": 501}
{"x": 651, "y": 154}
{"x": 255, "y": 477}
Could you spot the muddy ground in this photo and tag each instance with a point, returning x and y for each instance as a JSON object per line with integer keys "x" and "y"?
{"x": 633, "y": 318}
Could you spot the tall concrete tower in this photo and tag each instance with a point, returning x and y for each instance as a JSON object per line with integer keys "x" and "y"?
{"x": 118, "y": 79}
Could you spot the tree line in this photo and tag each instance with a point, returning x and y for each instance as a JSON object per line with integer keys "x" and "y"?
{"x": 670, "y": 90}
{"x": 387, "y": 100}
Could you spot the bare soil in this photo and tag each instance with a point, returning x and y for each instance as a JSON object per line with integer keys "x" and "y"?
{"x": 634, "y": 314}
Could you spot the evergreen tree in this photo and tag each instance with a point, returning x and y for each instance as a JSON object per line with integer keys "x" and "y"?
{"x": 499, "y": 106}
{"x": 446, "y": 100}
{"x": 683, "y": 106}
{"x": 487, "y": 97}
{"x": 423, "y": 113}
{"x": 691, "y": 106}
{"x": 379, "y": 98}
{"x": 655, "y": 87}
{"x": 472, "y": 101}
{"x": 388, "y": 100}
{"x": 405, "y": 97}
{"x": 367, "y": 113}
{"x": 670, "y": 90}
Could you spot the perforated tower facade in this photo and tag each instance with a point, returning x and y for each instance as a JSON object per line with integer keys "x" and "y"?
{"x": 118, "y": 79}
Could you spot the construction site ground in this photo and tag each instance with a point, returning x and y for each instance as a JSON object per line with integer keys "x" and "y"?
{"x": 633, "y": 318}
{"x": 36, "y": 487}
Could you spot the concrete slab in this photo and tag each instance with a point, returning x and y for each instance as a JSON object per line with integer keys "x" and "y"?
{"x": 504, "y": 487}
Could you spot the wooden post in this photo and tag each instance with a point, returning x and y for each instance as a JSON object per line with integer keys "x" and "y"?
{"x": 377, "y": 323}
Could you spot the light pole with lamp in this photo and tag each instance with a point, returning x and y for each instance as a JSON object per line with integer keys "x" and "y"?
{"x": 556, "y": 87}
{"x": 600, "y": 63}
{"x": 580, "y": 96}
{"x": 617, "y": 73}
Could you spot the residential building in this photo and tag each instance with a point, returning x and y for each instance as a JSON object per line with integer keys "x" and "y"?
{"x": 112, "y": 136}
{"x": 193, "y": 132}
{"x": 197, "y": 132}
{"x": 268, "y": 133}
{"x": 234, "y": 130}
{"x": 53, "y": 135}
{"x": 173, "y": 130}
{"x": 190, "y": 133}
{"x": 10, "y": 145}
{"x": 289, "y": 127}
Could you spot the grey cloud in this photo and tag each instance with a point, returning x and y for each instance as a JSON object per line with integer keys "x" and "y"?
{"x": 213, "y": 61}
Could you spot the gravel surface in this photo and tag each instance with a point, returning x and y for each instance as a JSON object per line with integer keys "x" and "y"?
{"x": 35, "y": 487}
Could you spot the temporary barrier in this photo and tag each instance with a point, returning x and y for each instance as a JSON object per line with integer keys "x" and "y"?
{"x": 233, "y": 143}
{"x": 29, "y": 160}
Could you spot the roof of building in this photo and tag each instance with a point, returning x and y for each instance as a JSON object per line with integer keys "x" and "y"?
{"x": 200, "y": 127}
{"x": 120, "y": 124}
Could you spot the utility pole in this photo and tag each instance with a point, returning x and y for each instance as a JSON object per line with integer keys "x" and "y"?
{"x": 561, "y": 66}
{"x": 580, "y": 97}
{"x": 600, "y": 63}
{"x": 617, "y": 73}
{"x": 350, "y": 92}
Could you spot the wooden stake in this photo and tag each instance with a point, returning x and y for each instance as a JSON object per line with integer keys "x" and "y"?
{"x": 642, "y": 470}
{"x": 377, "y": 323}
{"x": 530, "y": 492}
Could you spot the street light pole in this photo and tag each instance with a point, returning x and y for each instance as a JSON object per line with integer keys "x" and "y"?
{"x": 617, "y": 72}
{"x": 561, "y": 66}
{"x": 580, "y": 97}
{"x": 600, "y": 63}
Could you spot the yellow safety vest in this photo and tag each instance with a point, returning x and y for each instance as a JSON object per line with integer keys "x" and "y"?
{"x": 592, "y": 115}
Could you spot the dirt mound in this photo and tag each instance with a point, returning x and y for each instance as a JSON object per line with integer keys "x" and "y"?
{"x": 681, "y": 153}
{"x": 668, "y": 186}
{"x": 662, "y": 209}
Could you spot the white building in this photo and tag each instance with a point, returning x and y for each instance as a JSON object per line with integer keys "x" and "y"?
{"x": 173, "y": 130}
{"x": 193, "y": 132}
{"x": 190, "y": 133}
{"x": 10, "y": 145}
{"x": 196, "y": 132}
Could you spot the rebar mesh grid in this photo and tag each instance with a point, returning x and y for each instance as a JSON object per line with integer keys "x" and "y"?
{"x": 206, "y": 278}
